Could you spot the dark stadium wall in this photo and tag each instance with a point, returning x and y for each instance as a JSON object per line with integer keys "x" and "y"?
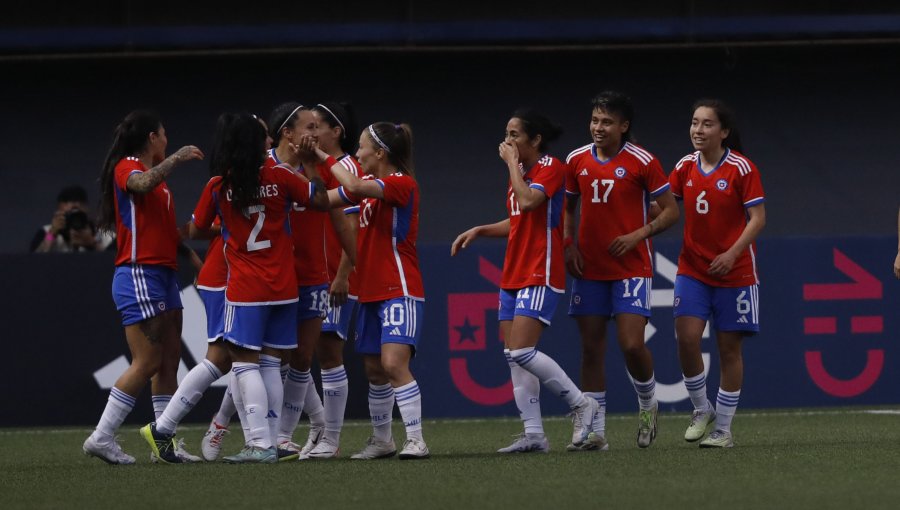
{"x": 818, "y": 120}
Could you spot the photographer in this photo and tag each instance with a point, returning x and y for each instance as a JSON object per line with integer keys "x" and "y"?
{"x": 71, "y": 228}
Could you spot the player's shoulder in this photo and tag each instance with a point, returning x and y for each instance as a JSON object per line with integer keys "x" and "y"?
{"x": 637, "y": 153}
{"x": 579, "y": 152}
{"x": 350, "y": 163}
{"x": 742, "y": 163}
{"x": 129, "y": 163}
{"x": 687, "y": 162}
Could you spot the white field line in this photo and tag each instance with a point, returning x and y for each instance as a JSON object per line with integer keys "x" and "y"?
{"x": 446, "y": 421}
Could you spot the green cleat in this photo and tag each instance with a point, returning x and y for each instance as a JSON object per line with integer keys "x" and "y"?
{"x": 647, "y": 426}
{"x": 253, "y": 455}
{"x": 718, "y": 439}
{"x": 162, "y": 446}
{"x": 700, "y": 421}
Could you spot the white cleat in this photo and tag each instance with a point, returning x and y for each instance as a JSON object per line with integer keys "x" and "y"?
{"x": 583, "y": 418}
{"x": 211, "y": 445}
{"x": 594, "y": 442}
{"x": 183, "y": 454}
{"x": 326, "y": 449}
{"x": 110, "y": 452}
{"x": 315, "y": 435}
{"x": 376, "y": 449}
{"x": 414, "y": 449}
{"x": 528, "y": 443}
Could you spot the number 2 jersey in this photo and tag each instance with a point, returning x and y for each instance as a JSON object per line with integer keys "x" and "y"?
{"x": 145, "y": 222}
{"x": 258, "y": 245}
{"x": 534, "y": 253}
{"x": 615, "y": 200}
{"x": 715, "y": 215}
{"x": 386, "y": 256}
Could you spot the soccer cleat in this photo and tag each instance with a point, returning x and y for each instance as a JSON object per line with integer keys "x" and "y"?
{"x": 184, "y": 455}
{"x": 315, "y": 434}
{"x": 161, "y": 445}
{"x": 253, "y": 455}
{"x": 285, "y": 454}
{"x": 326, "y": 449}
{"x": 718, "y": 439}
{"x": 376, "y": 449}
{"x": 211, "y": 444}
{"x": 647, "y": 426}
{"x": 594, "y": 441}
{"x": 414, "y": 449}
{"x": 527, "y": 443}
{"x": 583, "y": 418}
{"x": 700, "y": 420}
{"x": 110, "y": 452}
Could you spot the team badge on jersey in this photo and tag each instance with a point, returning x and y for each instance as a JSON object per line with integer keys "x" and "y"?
{"x": 722, "y": 184}
{"x": 620, "y": 172}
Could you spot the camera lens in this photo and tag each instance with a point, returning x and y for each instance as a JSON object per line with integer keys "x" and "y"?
{"x": 76, "y": 220}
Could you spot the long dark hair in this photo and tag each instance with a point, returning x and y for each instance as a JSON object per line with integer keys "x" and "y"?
{"x": 727, "y": 120}
{"x": 130, "y": 138}
{"x": 397, "y": 142}
{"x": 217, "y": 164}
{"x": 340, "y": 115}
{"x": 535, "y": 123}
{"x": 284, "y": 115}
{"x": 243, "y": 153}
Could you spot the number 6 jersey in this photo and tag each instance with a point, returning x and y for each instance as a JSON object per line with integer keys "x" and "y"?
{"x": 715, "y": 204}
{"x": 258, "y": 246}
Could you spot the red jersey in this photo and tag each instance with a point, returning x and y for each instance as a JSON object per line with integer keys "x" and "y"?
{"x": 308, "y": 233}
{"x": 386, "y": 255}
{"x": 146, "y": 232}
{"x": 534, "y": 253}
{"x": 333, "y": 247}
{"x": 258, "y": 246}
{"x": 615, "y": 201}
{"x": 214, "y": 273}
{"x": 715, "y": 215}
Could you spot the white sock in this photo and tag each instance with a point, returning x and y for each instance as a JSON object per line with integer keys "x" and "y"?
{"x": 295, "y": 385}
{"x": 312, "y": 404}
{"x": 726, "y": 406}
{"x": 285, "y": 368}
{"x": 256, "y": 402}
{"x": 381, "y": 409}
{"x": 646, "y": 393}
{"x": 270, "y": 371}
{"x": 334, "y": 389}
{"x": 227, "y": 408}
{"x": 159, "y": 405}
{"x": 599, "y": 426}
{"x": 696, "y": 387}
{"x": 187, "y": 395}
{"x": 527, "y": 392}
{"x": 117, "y": 408}
{"x": 550, "y": 374}
{"x": 409, "y": 400}
{"x": 239, "y": 405}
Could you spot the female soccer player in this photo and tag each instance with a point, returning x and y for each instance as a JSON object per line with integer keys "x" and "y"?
{"x": 533, "y": 276}
{"x": 612, "y": 258}
{"x": 391, "y": 296}
{"x": 252, "y": 199}
{"x": 137, "y": 203}
{"x": 724, "y": 212}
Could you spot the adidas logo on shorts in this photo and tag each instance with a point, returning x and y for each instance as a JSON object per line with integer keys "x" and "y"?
{"x": 395, "y": 332}
{"x": 742, "y": 320}
{"x": 637, "y": 303}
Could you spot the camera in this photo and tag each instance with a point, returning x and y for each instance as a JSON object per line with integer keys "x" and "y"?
{"x": 76, "y": 219}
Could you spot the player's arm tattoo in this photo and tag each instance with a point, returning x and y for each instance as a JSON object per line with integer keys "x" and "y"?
{"x": 143, "y": 182}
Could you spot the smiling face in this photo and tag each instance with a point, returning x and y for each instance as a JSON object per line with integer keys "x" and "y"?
{"x": 607, "y": 130}
{"x": 369, "y": 153}
{"x": 329, "y": 137}
{"x": 706, "y": 130}
{"x": 305, "y": 124}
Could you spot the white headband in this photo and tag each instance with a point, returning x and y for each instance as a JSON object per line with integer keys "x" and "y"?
{"x": 343, "y": 129}
{"x": 378, "y": 140}
{"x": 286, "y": 119}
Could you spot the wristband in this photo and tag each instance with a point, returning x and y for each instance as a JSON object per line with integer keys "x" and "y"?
{"x": 50, "y": 237}
{"x": 568, "y": 242}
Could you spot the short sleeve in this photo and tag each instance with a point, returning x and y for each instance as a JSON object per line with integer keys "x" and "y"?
{"x": 549, "y": 179}
{"x": 655, "y": 180}
{"x": 123, "y": 171}
{"x": 751, "y": 188}
{"x": 675, "y": 183}
{"x": 398, "y": 189}
{"x": 205, "y": 211}
{"x": 572, "y": 177}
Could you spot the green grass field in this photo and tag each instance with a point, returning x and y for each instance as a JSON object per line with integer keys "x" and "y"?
{"x": 835, "y": 458}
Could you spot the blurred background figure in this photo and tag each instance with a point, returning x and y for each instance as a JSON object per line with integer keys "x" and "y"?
{"x": 71, "y": 228}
